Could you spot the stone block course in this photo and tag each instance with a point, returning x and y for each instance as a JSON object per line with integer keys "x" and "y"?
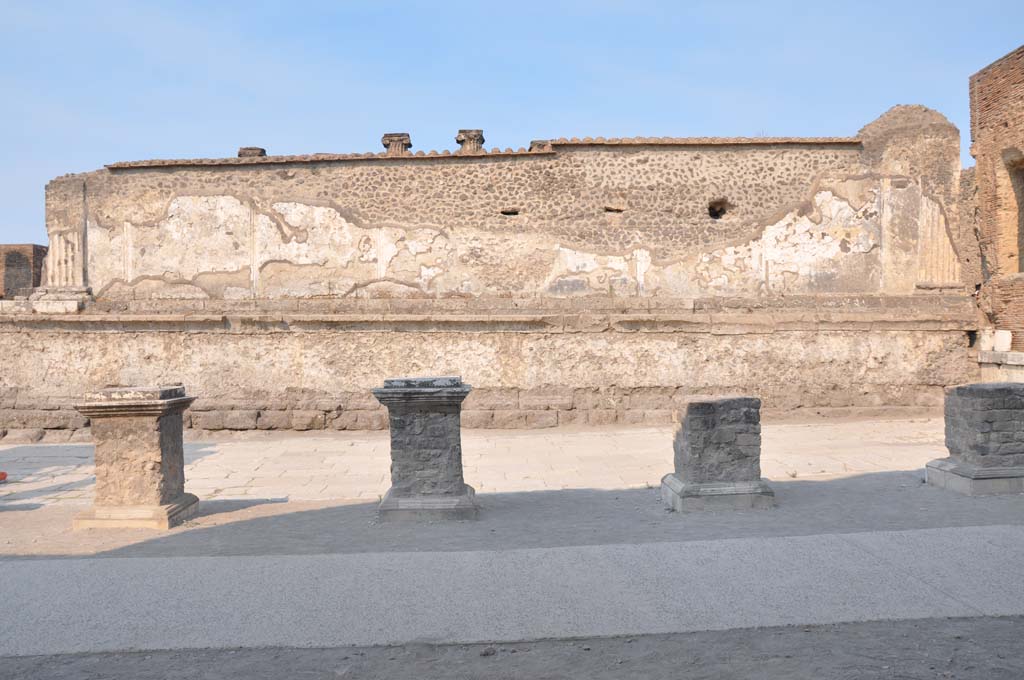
{"x": 496, "y": 399}
{"x": 572, "y": 417}
{"x": 546, "y": 398}
{"x": 602, "y": 416}
{"x": 208, "y": 420}
{"x": 477, "y": 419}
{"x": 274, "y": 420}
{"x": 307, "y": 420}
{"x": 508, "y": 419}
{"x": 240, "y": 420}
{"x": 541, "y": 419}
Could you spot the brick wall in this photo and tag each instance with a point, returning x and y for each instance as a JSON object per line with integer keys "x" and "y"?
{"x": 21, "y": 266}
{"x": 997, "y": 133}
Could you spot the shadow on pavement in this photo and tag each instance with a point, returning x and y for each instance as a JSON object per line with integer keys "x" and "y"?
{"x": 884, "y": 501}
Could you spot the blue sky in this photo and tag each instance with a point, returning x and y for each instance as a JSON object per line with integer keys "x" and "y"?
{"x": 88, "y": 83}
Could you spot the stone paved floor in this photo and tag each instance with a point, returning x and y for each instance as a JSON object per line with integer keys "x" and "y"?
{"x": 354, "y": 466}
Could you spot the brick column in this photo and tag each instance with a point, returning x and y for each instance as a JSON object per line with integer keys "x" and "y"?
{"x": 140, "y": 464}
{"x": 985, "y": 439}
{"x": 718, "y": 458}
{"x": 426, "y": 449}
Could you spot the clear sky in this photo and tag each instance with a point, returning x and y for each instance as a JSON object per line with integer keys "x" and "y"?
{"x": 87, "y": 83}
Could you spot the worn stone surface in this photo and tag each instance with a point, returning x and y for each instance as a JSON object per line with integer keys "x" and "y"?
{"x": 628, "y": 371}
{"x": 875, "y": 213}
{"x": 812, "y": 273}
{"x": 984, "y": 429}
{"x": 139, "y": 457}
{"x": 426, "y": 440}
{"x": 720, "y": 441}
{"x": 718, "y": 457}
{"x": 985, "y": 424}
{"x": 138, "y": 440}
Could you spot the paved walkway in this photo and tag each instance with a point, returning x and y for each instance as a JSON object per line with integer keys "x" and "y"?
{"x": 89, "y": 605}
{"x": 570, "y": 543}
{"x": 355, "y": 466}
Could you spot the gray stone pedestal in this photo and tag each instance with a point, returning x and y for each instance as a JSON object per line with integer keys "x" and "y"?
{"x": 426, "y": 450}
{"x": 985, "y": 439}
{"x": 140, "y": 463}
{"x": 718, "y": 458}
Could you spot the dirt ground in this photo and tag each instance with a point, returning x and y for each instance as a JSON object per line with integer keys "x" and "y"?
{"x": 965, "y": 649}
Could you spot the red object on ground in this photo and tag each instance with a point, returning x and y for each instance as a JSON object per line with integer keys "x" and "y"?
{"x": 3, "y": 476}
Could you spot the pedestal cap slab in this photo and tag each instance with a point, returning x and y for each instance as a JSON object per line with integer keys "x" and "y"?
{"x": 437, "y": 389}
{"x": 122, "y": 400}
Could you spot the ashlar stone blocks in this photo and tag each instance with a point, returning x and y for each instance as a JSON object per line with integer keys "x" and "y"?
{"x": 426, "y": 449}
{"x": 140, "y": 465}
{"x": 985, "y": 439}
{"x": 718, "y": 458}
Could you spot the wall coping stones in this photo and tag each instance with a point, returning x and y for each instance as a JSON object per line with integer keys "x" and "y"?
{"x": 537, "y": 148}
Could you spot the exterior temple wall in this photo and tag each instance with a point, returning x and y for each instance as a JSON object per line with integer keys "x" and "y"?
{"x": 528, "y": 370}
{"x": 632, "y": 218}
{"x": 581, "y": 281}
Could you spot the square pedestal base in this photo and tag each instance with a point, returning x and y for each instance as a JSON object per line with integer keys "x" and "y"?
{"x": 137, "y": 516}
{"x": 955, "y": 475}
{"x": 395, "y": 508}
{"x": 685, "y": 497}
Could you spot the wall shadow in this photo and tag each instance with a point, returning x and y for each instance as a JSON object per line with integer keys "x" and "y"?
{"x": 578, "y": 517}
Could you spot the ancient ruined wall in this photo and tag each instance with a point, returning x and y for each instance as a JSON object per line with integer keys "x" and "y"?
{"x": 633, "y": 218}
{"x": 997, "y": 132}
{"x": 21, "y": 268}
{"x": 529, "y": 370}
{"x": 595, "y": 281}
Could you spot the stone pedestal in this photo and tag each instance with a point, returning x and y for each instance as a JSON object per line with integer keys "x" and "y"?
{"x": 985, "y": 439}
{"x": 140, "y": 464}
{"x": 426, "y": 450}
{"x": 718, "y": 458}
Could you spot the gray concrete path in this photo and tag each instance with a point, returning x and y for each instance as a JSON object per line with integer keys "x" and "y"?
{"x": 68, "y": 605}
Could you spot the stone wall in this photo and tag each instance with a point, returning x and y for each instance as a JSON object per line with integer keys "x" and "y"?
{"x": 529, "y": 369}
{"x": 21, "y": 268}
{"x": 580, "y": 281}
{"x": 641, "y": 217}
{"x": 997, "y": 132}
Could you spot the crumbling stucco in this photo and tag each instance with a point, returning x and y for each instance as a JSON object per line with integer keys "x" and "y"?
{"x": 582, "y": 219}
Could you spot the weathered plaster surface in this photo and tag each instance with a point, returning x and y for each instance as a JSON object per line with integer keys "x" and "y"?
{"x": 623, "y": 371}
{"x": 588, "y": 219}
{"x": 587, "y": 281}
